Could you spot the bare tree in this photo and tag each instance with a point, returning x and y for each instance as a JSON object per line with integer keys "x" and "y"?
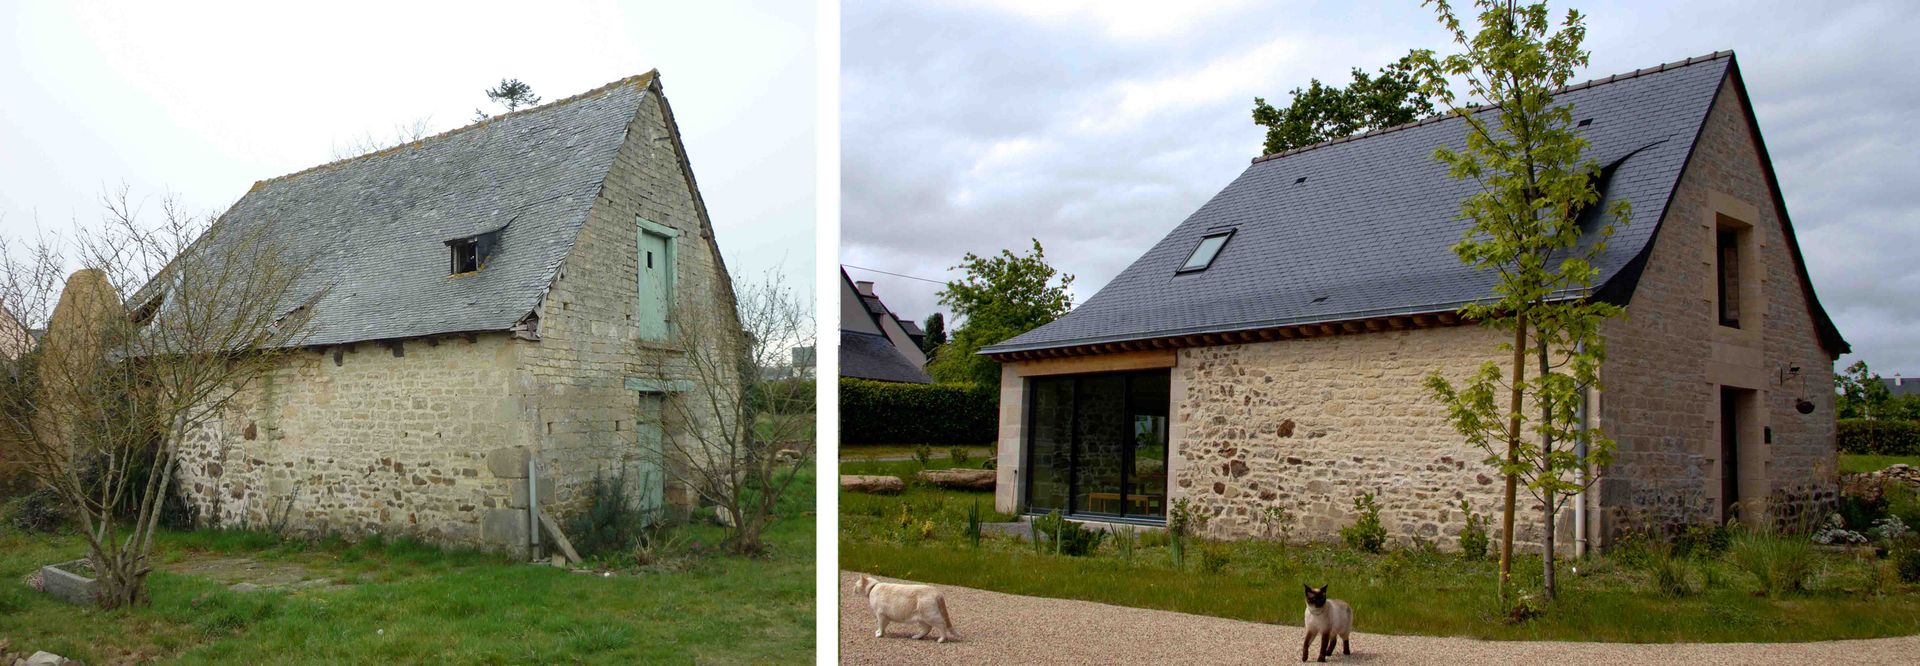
{"x": 403, "y": 134}
{"x": 99, "y": 410}
{"x": 743, "y": 430}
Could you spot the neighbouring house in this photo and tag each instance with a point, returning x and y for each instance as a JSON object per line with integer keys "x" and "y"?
{"x": 1269, "y": 352}
{"x": 490, "y": 306}
{"x": 15, "y": 339}
{"x": 875, "y": 344}
{"x": 1899, "y": 386}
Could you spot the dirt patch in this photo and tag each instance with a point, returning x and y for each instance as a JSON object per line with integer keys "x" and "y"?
{"x": 245, "y": 574}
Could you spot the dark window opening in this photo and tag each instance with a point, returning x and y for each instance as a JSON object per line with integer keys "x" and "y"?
{"x": 472, "y": 253}
{"x": 466, "y": 256}
{"x": 1727, "y": 253}
{"x": 1204, "y": 253}
{"x": 649, "y": 259}
{"x": 1097, "y": 445}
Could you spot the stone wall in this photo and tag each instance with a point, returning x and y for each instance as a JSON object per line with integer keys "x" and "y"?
{"x": 1310, "y": 424}
{"x": 356, "y": 439}
{"x": 1669, "y": 356}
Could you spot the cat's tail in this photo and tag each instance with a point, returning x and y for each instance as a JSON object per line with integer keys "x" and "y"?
{"x": 946, "y": 618}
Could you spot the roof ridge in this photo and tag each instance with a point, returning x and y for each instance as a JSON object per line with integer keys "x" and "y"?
{"x": 1716, "y": 55}
{"x": 641, "y": 80}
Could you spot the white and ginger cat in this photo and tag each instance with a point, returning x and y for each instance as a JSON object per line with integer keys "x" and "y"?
{"x": 907, "y": 604}
{"x": 1328, "y": 619}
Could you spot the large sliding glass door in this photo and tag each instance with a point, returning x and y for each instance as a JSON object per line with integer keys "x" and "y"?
{"x": 1097, "y": 445}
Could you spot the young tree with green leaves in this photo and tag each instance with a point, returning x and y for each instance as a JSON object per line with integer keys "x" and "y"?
{"x": 1861, "y": 394}
{"x": 1525, "y": 155}
{"x": 1000, "y": 297}
{"x": 1322, "y": 112}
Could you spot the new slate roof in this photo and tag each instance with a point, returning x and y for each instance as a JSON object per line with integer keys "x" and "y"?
{"x": 869, "y": 356}
{"x": 1363, "y": 227}
{"x": 376, "y": 226}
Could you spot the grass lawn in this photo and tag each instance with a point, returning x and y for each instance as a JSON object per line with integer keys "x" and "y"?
{"x": 1851, "y": 463}
{"x": 408, "y": 603}
{"x": 940, "y": 453}
{"x": 919, "y": 535}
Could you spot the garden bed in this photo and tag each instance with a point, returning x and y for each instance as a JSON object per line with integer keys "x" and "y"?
{"x": 1703, "y": 593}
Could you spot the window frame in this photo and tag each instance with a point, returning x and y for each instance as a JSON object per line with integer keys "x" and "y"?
{"x": 1729, "y": 282}
{"x": 1226, "y": 238}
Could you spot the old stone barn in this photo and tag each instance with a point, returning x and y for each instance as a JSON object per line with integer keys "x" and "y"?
{"x": 488, "y": 302}
{"x": 1269, "y": 352}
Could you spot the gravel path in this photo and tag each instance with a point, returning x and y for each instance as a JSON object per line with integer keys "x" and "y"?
{"x": 1008, "y": 629}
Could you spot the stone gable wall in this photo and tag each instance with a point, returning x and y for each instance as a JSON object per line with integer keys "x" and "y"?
{"x": 590, "y": 340}
{"x": 1667, "y": 358}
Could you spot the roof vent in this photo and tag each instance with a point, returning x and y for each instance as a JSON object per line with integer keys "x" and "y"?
{"x": 1321, "y": 299}
{"x": 1300, "y": 180}
{"x": 1586, "y": 121}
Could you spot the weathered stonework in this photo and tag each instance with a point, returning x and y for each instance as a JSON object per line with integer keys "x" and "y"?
{"x": 431, "y": 437}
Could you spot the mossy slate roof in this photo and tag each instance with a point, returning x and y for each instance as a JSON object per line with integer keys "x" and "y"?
{"x": 1369, "y": 231}
{"x": 375, "y": 227}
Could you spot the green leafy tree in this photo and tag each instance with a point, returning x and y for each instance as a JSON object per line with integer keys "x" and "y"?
{"x": 1524, "y": 155}
{"x": 1321, "y": 112}
{"x": 1861, "y": 394}
{"x": 512, "y": 94}
{"x": 1001, "y": 296}
{"x": 935, "y": 328}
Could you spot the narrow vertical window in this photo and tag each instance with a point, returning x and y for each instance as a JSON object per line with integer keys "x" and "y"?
{"x": 1727, "y": 253}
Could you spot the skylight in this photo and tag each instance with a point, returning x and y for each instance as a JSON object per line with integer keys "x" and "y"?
{"x": 1204, "y": 253}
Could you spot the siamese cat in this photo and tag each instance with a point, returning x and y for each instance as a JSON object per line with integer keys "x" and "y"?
{"x": 1328, "y": 619}
{"x": 907, "y": 604}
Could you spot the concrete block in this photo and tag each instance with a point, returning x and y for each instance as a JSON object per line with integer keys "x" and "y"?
{"x": 519, "y": 490}
{"x": 505, "y": 527}
{"x": 508, "y": 463}
{"x": 64, "y": 584}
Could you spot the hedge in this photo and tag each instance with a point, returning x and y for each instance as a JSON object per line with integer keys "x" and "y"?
{"x": 887, "y": 413}
{"x": 1886, "y": 438}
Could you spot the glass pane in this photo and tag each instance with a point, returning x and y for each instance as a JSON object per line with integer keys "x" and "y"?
{"x": 1101, "y": 428}
{"x": 1203, "y": 255}
{"x": 1050, "y": 444}
{"x": 1147, "y": 476}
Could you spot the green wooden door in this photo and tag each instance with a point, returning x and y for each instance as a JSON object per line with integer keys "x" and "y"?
{"x": 656, "y": 284}
{"x": 651, "y": 474}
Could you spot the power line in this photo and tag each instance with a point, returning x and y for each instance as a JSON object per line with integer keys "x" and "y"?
{"x": 910, "y": 277}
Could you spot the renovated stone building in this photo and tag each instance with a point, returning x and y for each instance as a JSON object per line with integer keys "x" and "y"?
{"x": 488, "y": 304}
{"x": 1270, "y": 350}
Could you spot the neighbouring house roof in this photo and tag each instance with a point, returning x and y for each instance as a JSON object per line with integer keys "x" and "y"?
{"x": 866, "y": 350}
{"x": 869, "y": 356}
{"x": 376, "y": 226}
{"x": 1898, "y": 386}
{"x": 1363, "y": 227}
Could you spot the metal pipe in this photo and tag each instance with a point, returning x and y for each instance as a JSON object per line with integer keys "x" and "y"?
{"x": 533, "y": 507}
{"x": 1580, "y": 473}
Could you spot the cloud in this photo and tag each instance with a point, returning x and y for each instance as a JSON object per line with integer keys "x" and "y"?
{"x": 1097, "y": 127}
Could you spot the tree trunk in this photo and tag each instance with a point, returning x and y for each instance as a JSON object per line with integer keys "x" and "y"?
{"x": 1518, "y": 395}
{"x": 1546, "y": 456}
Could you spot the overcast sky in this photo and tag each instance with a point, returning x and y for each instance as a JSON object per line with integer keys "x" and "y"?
{"x": 204, "y": 99}
{"x": 1097, "y": 126}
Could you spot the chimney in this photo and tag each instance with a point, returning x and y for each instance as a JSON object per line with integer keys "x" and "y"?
{"x": 864, "y": 287}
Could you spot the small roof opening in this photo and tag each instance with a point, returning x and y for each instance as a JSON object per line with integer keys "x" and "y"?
{"x": 1204, "y": 253}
